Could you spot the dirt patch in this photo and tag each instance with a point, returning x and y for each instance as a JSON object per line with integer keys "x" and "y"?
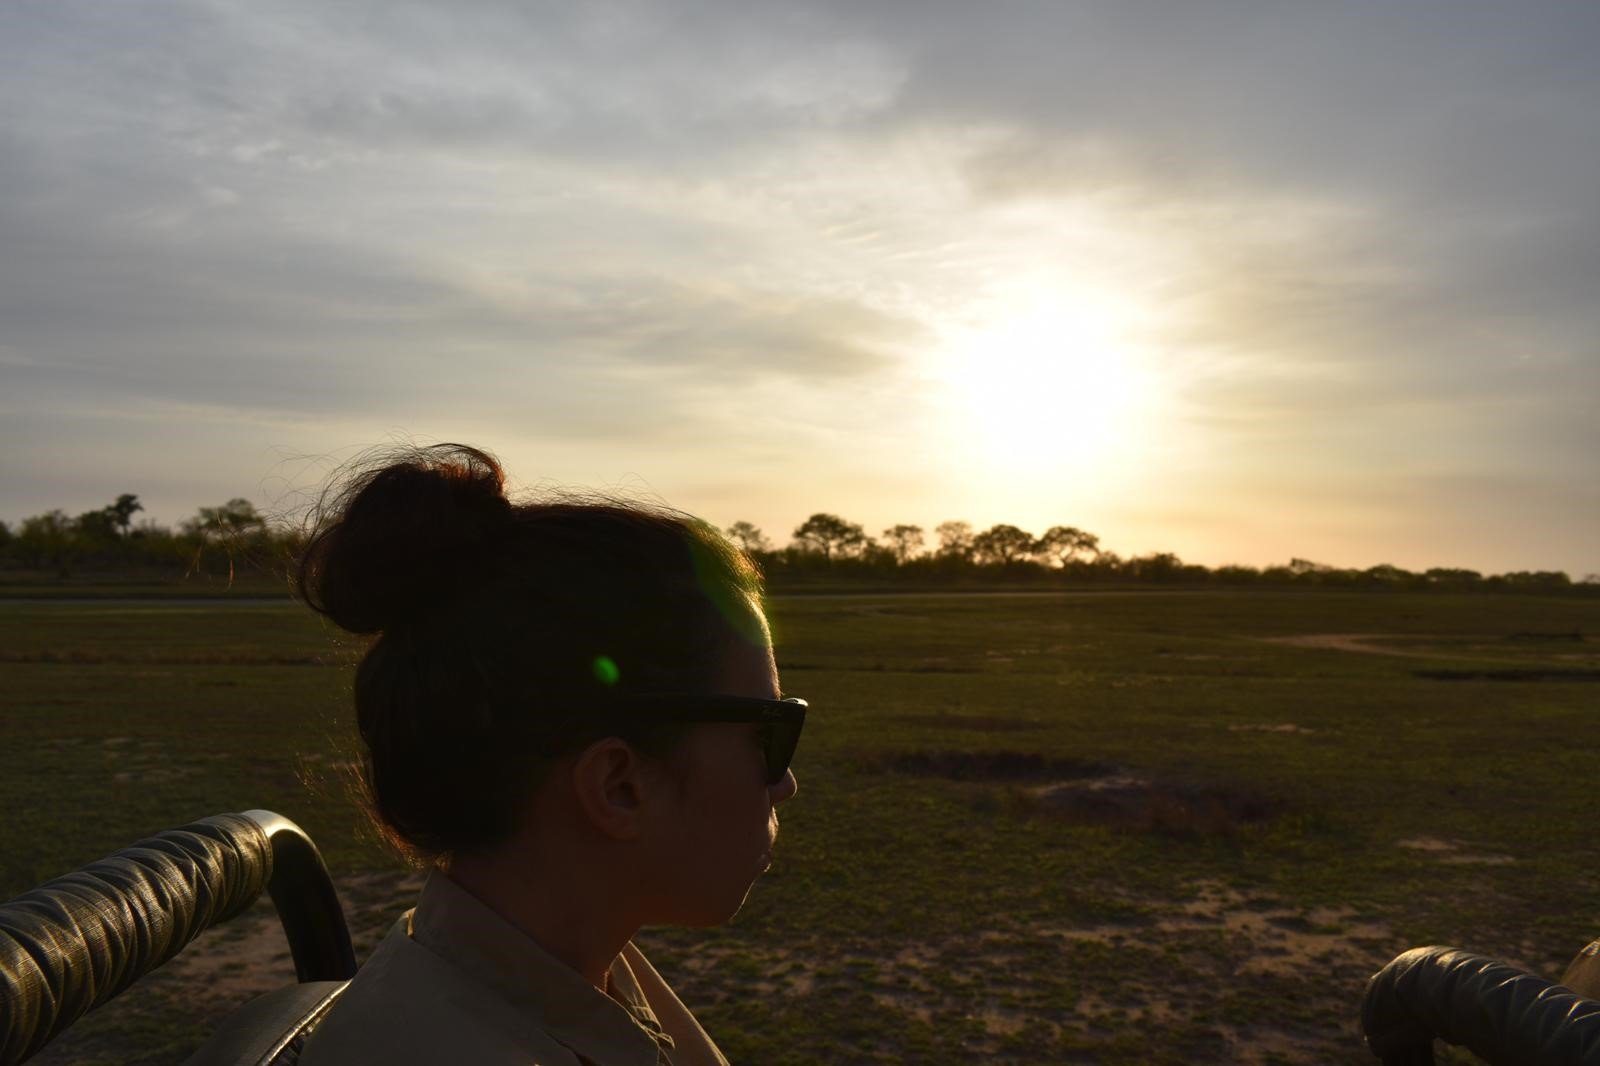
{"x": 1093, "y": 792}
{"x": 1357, "y": 642}
{"x": 249, "y": 955}
{"x": 1453, "y": 646}
{"x": 1182, "y": 960}
{"x": 1227, "y": 938}
{"x": 1427, "y": 844}
{"x": 1452, "y": 853}
{"x": 1283, "y": 727}
{"x": 1282, "y": 941}
{"x": 235, "y": 962}
{"x": 1140, "y": 805}
{"x": 773, "y": 972}
{"x": 149, "y": 763}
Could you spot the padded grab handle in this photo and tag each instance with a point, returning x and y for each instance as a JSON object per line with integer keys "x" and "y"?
{"x": 1501, "y": 1014}
{"x": 77, "y": 941}
{"x": 73, "y": 944}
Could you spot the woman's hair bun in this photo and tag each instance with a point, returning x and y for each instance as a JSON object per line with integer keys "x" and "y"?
{"x": 403, "y": 536}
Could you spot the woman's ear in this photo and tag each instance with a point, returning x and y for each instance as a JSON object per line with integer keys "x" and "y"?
{"x": 608, "y": 784}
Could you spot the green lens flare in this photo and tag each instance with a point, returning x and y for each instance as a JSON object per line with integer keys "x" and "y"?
{"x": 605, "y": 670}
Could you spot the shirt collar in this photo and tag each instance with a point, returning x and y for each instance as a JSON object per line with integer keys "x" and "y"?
{"x": 619, "y": 1028}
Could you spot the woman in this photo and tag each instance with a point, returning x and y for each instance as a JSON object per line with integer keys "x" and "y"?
{"x": 571, "y": 714}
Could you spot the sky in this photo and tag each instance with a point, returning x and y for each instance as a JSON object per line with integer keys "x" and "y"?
{"x": 1243, "y": 281}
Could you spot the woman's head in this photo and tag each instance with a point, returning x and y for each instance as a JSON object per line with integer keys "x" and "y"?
{"x": 504, "y": 628}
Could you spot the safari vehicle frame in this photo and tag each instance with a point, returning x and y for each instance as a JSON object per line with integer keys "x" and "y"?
{"x": 78, "y": 941}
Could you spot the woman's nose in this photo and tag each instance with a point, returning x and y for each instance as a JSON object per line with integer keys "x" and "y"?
{"x": 785, "y": 789}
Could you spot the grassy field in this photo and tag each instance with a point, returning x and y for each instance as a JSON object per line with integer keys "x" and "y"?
{"x": 1145, "y": 827}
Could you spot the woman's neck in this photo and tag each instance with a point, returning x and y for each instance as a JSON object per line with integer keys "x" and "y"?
{"x": 578, "y": 921}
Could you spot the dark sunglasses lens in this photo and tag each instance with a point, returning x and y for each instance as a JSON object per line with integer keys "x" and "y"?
{"x": 781, "y": 740}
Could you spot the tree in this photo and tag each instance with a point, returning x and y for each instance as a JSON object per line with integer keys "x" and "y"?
{"x": 955, "y": 540}
{"x": 830, "y": 536}
{"x": 121, "y": 512}
{"x": 1537, "y": 579}
{"x": 108, "y": 526}
{"x": 1003, "y": 544}
{"x": 97, "y": 529}
{"x": 233, "y": 519}
{"x": 749, "y": 538}
{"x": 1386, "y": 574}
{"x": 1234, "y": 574}
{"x": 1065, "y": 543}
{"x": 903, "y": 542}
{"x": 1158, "y": 566}
{"x": 45, "y": 538}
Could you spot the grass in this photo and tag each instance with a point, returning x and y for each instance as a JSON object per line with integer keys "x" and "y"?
{"x": 937, "y": 895}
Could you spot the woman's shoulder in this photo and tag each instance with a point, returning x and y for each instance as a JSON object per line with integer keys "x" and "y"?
{"x": 407, "y": 1005}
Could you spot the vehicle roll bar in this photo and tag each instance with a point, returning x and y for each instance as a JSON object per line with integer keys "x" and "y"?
{"x": 1501, "y": 1014}
{"x": 79, "y": 940}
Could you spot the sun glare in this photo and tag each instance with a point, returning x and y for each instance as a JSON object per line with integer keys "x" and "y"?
{"x": 1055, "y": 382}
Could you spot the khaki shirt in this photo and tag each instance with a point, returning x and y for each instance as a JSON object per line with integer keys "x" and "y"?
{"x": 453, "y": 982}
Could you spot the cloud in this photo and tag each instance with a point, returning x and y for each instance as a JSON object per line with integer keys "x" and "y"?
{"x": 1359, "y": 231}
{"x": 1431, "y": 167}
{"x": 305, "y": 196}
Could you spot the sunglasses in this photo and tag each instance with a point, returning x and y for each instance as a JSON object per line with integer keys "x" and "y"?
{"x": 778, "y": 721}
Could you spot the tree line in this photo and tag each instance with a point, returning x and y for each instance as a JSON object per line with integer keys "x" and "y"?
{"x": 825, "y": 547}
{"x": 213, "y": 540}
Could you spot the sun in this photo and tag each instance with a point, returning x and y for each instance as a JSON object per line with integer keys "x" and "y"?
{"x": 1053, "y": 381}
